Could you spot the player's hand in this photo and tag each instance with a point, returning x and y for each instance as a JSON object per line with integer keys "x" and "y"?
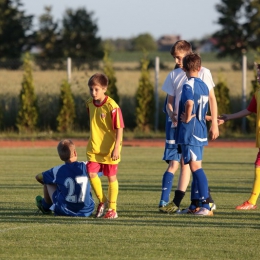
{"x": 213, "y": 132}
{"x": 115, "y": 155}
{"x": 224, "y": 117}
{"x": 185, "y": 119}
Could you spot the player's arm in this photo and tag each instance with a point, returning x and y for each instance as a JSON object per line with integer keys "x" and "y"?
{"x": 239, "y": 114}
{"x": 187, "y": 116}
{"x": 252, "y": 108}
{"x": 116, "y": 151}
{"x": 214, "y": 131}
{"x": 170, "y": 109}
{"x": 39, "y": 178}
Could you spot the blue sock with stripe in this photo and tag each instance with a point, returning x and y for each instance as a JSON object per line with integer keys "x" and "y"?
{"x": 202, "y": 184}
{"x": 167, "y": 181}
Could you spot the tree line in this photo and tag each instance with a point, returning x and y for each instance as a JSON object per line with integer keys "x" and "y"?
{"x": 76, "y": 34}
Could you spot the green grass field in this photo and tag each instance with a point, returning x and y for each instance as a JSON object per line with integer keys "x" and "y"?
{"x": 140, "y": 232}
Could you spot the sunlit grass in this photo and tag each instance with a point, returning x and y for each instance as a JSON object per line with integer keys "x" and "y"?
{"x": 140, "y": 232}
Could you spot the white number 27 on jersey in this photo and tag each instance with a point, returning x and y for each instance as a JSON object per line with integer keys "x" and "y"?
{"x": 70, "y": 184}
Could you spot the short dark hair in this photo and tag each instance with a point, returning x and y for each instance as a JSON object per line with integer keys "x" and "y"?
{"x": 181, "y": 45}
{"x": 65, "y": 149}
{"x": 98, "y": 79}
{"x": 191, "y": 62}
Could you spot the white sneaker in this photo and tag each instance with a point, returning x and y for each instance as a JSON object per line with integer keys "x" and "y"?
{"x": 203, "y": 212}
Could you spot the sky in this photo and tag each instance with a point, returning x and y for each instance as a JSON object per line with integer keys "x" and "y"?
{"x": 190, "y": 19}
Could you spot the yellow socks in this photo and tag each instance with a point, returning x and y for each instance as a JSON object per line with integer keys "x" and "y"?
{"x": 256, "y": 187}
{"x": 97, "y": 187}
{"x": 112, "y": 194}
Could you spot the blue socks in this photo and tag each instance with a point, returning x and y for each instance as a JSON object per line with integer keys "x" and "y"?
{"x": 200, "y": 187}
{"x": 45, "y": 205}
{"x": 167, "y": 181}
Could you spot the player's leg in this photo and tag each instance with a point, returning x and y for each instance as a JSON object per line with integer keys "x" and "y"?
{"x": 183, "y": 183}
{"x": 44, "y": 204}
{"x": 93, "y": 169}
{"x": 251, "y": 202}
{"x": 193, "y": 155}
{"x": 167, "y": 182}
{"x": 110, "y": 171}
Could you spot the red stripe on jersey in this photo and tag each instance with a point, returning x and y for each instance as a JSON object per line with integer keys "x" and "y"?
{"x": 252, "y": 107}
{"x": 117, "y": 118}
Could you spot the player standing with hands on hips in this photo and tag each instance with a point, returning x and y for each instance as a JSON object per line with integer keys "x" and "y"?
{"x": 192, "y": 129}
{"x": 104, "y": 144}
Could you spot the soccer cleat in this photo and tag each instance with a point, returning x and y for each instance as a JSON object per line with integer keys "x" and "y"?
{"x": 246, "y": 205}
{"x": 111, "y": 214}
{"x": 188, "y": 211}
{"x": 102, "y": 206}
{"x": 213, "y": 206}
{"x": 162, "y": 204}
{"x": 38, "y": 201}
{"x": 170, "y": 208}
{"x": 203, "y": 212}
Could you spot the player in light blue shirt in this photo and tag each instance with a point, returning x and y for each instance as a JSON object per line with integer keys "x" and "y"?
{"x": 66, "y": 188}
{"x": 191, "y": 133}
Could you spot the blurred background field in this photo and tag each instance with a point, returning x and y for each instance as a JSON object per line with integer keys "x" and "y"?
{"x": 127, "y": 74}
{"x": 47, "y": 88}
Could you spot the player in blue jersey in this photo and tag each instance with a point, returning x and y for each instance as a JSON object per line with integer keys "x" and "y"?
{"x": 191, "y": 133}
{"x": 173, "y": 87}
{"x": 66, "y": 187}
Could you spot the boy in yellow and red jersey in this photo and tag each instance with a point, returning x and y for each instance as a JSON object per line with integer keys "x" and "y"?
{"x": 104, "y": 144}
{"x": 253, "y": 107}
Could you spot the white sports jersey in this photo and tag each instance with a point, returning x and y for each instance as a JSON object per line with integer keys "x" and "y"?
{"x": 175, "y": 80}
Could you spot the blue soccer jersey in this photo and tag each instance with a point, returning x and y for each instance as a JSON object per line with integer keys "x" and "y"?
{"x": 73, "y": 195}
{"x": 169, "y": 129}
{"x": 195, "y": 131}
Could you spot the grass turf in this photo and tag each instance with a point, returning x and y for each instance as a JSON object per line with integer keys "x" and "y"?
{"x": 140, "y": 232}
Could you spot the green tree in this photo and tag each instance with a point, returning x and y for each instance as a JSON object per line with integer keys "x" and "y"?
{"x": 27, "y": 117}
{"x": 145, "y": 101}
{"x": 79, "y": 36}
{"x": 48, "y": 37}
{"x": 223, "y": 101}
{"x": 67, "y": 112}
{"x": 15, "y": 29}
{"x": 110, "y": 73}
{"x": 239, "y": 27}
{"x": 144, "y": 42}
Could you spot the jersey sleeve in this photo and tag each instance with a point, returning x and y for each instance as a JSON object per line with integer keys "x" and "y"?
{"x": 49, "y": 176}
{"x": 167, "y": 85}
{"x": 117, "y": 118}
{"x": 252, "y": 107}
{"x": 187, "y": 93}
{"x": 206, "y": 77}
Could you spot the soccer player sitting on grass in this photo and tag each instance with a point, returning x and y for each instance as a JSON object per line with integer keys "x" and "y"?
{"x": 104, "y": 144}
{"x": 253, "y": 107}
{"x": 66, "y": 187}
{"x": 191, "y": 133}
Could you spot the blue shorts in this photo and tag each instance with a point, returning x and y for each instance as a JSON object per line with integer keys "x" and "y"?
{"x": 191, "y": 153}
{"x": 171, "y": 154}
{"x": 61, "y": 209}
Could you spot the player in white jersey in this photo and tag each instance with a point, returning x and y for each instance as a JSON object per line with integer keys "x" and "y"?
{"x": 173, "y": 87}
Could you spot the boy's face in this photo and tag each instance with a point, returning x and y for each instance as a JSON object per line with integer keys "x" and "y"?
{"x": 178, "y": 57}
{"x": 97, "y": 92}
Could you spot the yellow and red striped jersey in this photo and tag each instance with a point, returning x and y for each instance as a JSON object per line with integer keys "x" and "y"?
{"x": 105, "y": 118}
